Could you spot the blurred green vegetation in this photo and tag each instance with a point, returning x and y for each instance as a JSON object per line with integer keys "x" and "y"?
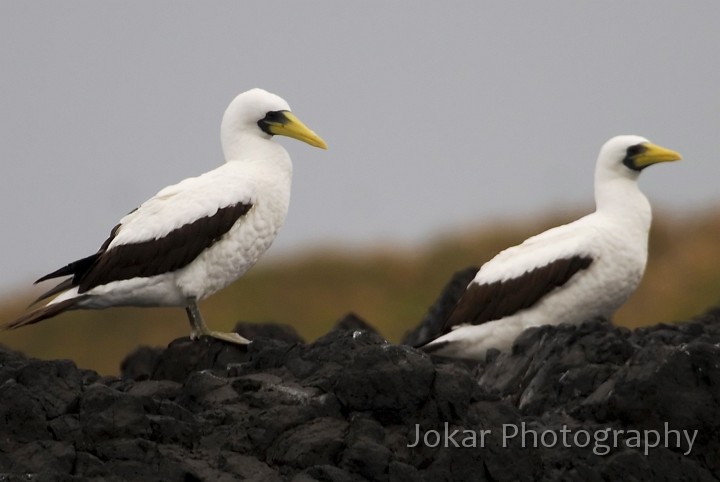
{"x": 389, "y": 287}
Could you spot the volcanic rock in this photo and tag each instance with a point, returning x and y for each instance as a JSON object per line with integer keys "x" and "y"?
{"x": 349, "y": 407}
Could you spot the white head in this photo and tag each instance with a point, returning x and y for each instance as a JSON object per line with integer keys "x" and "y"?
{"x": 625, "y": 156}
{"x": 618, "y": 166}
{"x": 253, "y": 117}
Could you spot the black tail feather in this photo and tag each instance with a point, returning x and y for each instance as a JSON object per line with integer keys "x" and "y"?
{"x": 43, "y": 313}
{"x": 59, "y": 288}
{"x": 76, "y": 267}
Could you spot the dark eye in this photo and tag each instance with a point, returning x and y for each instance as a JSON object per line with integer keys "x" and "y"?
{"x": 272, "y": 118}
{"x": 635, "y": 150}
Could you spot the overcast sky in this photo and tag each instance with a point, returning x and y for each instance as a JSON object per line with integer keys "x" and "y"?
{"x": 439, "y": 115}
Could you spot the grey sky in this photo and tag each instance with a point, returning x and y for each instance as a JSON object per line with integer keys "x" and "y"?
{"x": 439, "y": 115}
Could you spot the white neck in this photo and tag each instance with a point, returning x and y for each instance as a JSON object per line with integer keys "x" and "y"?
{"x": 618, "y": 196}
{"x": 250, "y": 148}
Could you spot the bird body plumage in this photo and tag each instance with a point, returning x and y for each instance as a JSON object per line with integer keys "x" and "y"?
{"x": 195, "y": 237}
{"x": 567, "y": 274}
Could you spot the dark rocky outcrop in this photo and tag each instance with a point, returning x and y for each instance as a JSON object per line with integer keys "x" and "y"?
{"x": 433, "y": 322}
{"x": 346, "y": 407}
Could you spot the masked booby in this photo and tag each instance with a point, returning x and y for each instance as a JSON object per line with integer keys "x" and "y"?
{"x": 196, "y": 237}
{"x": 568, "y": 274}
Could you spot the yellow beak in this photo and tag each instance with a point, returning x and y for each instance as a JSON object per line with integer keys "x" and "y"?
{"x": 654, "y": 154}
{"x": 286, "y": 124}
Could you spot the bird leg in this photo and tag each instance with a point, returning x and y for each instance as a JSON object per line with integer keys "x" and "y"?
{"x": 199, "y": 328}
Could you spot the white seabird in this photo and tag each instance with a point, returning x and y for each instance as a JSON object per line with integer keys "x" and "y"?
{"x": 196, "y": 237}
{"x": 567, "y": 274}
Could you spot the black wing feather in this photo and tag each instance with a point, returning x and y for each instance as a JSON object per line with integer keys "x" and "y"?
{"x": 492, "y": 301}
{"x": 173, "y": 251}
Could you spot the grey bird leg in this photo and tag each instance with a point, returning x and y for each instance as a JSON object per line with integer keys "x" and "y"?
{"x": 199, "y": 328}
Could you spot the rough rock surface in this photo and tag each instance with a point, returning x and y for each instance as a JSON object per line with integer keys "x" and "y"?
{"x": 346, "y": 407}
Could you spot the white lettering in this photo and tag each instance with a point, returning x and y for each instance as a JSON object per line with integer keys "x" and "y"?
{"x": 450, "y": 437}
{"x": 565, "y": 431}
{"x": 545, "y": 443}
{"x": 690, "y": 441}
{"x": 667, "y": 436}
{"x": 634, "y": 441}
{"x": 505, "y": 434}
{"x": 426, "y": 438}
{"x": 587, "y": 438}
{"x": 654, "y": 444}
{"x": 417, "y": 436}
{"x": 470, "y": 439}
{"x": 601, "y": 448}
{"x": 525, "y": 432}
